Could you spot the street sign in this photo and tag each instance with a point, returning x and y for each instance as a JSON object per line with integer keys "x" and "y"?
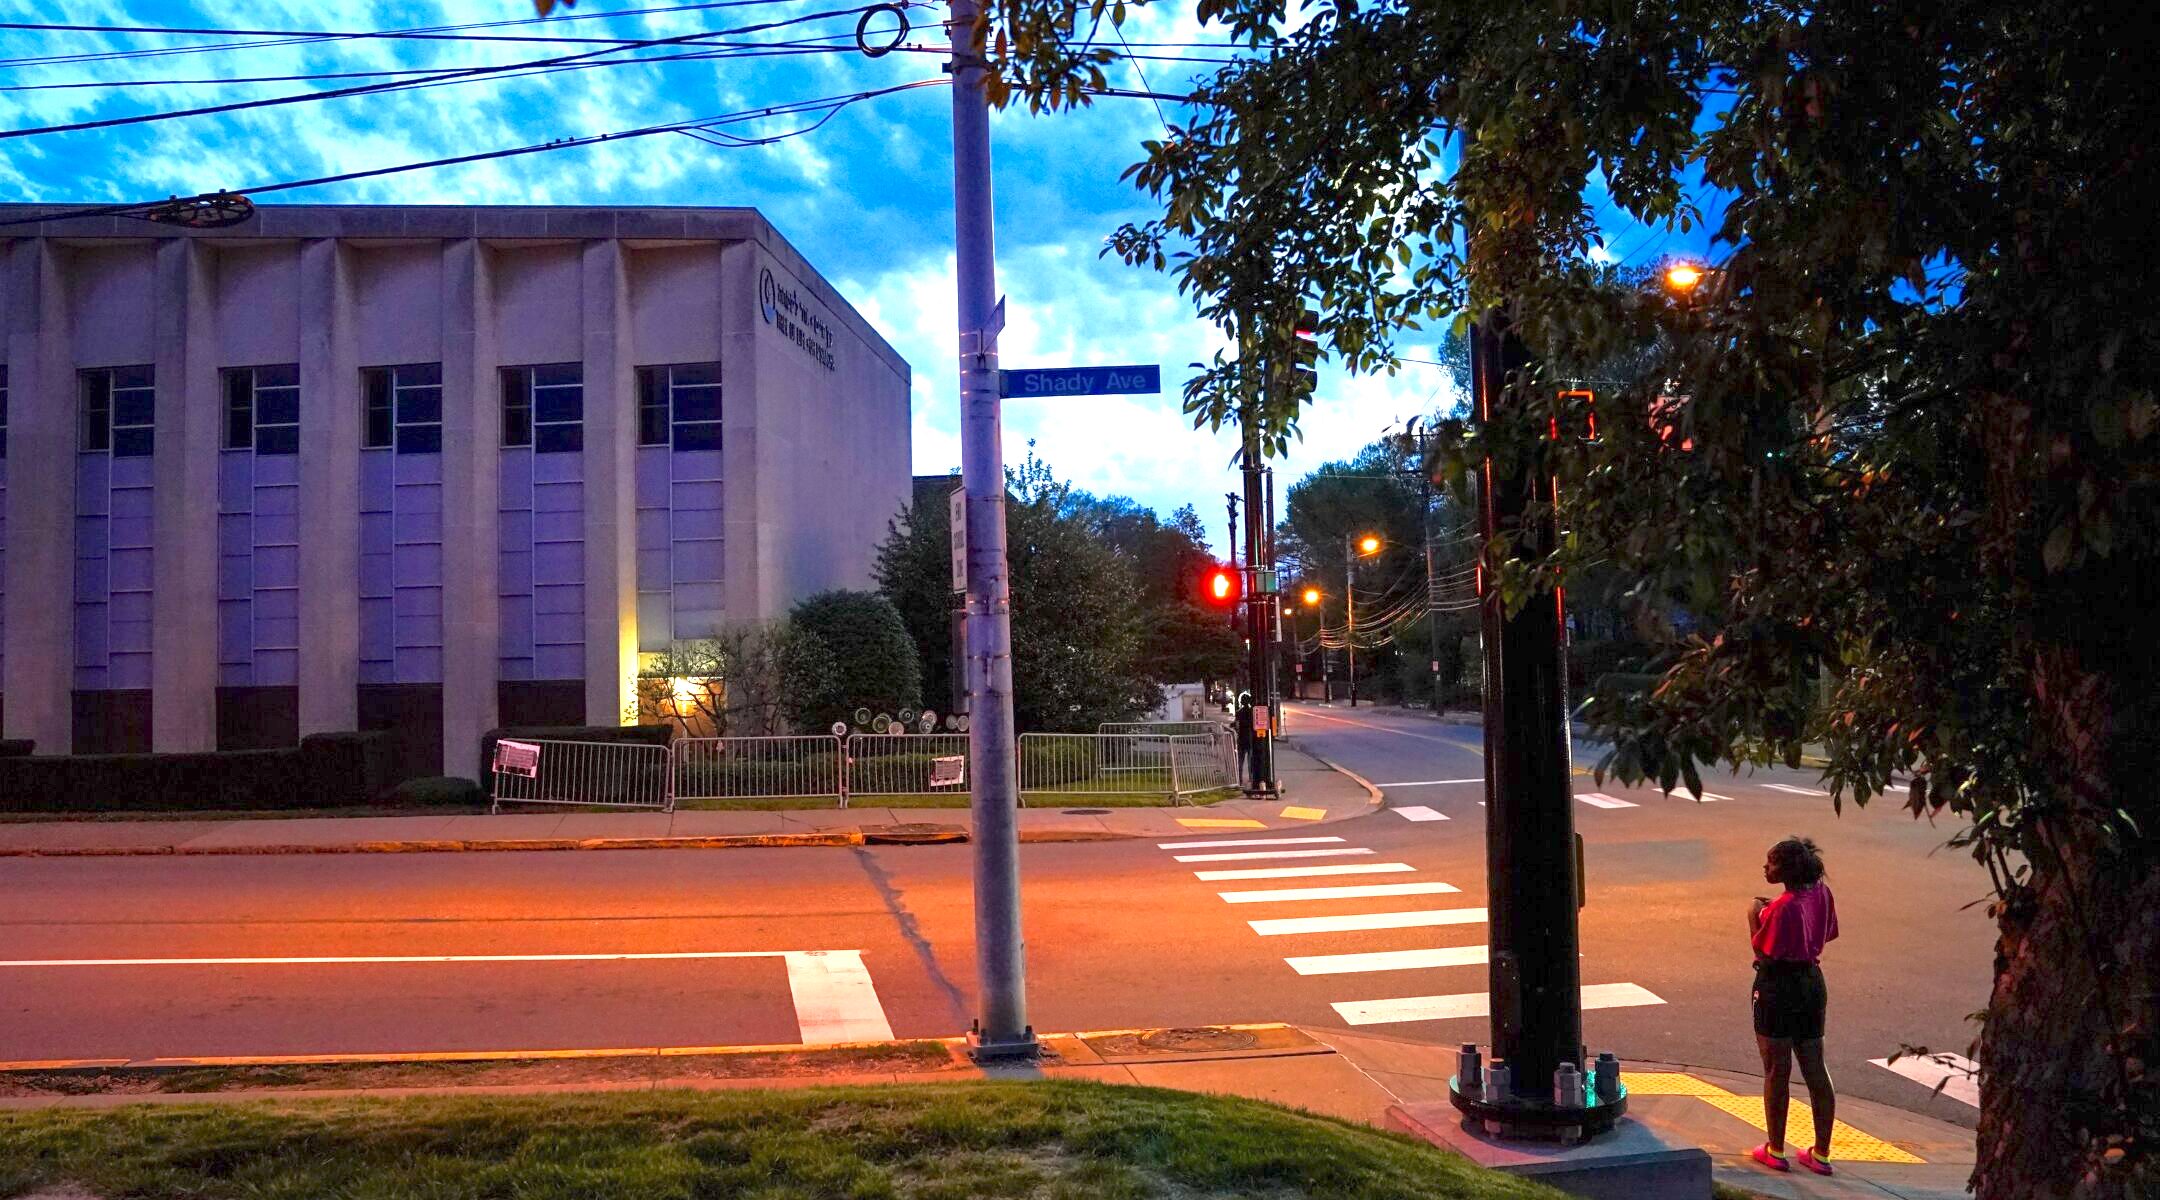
{"x": 958, "y": 503}
{"x": 1026, "y": 382}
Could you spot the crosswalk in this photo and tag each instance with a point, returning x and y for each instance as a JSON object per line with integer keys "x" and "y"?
{"x": 1418, "y": 918}
{"x": 1608, "y": 802}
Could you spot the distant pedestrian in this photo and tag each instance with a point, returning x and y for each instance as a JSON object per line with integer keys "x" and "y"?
{"x": 1790, "y": 999}
{"x": 1245, "y": 734}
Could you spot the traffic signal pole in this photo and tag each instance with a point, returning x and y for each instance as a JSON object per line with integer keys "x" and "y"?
{"x": 1259, "y": 606}
{"x": 1001, "y": 1025}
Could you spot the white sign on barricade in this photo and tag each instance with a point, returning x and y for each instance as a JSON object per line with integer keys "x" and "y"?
{"x": 517, "y": 758}
{"x": 948, "y": 771}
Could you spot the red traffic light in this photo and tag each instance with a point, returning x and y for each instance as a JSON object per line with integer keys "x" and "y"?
{"x": 1220, "y": 587}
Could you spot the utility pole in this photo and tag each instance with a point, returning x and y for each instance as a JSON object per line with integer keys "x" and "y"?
{"x": 1349, "y": 599}
{"x": 1432, "y": 601}
{"x": 1259, "y": 605}
{"x": 1001, "y": 1025}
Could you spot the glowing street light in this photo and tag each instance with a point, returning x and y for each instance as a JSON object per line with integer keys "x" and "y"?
{"x": 1683, "y": 277}
{"x": 1368, "y": 545}
{"x": 1312, "y": 597}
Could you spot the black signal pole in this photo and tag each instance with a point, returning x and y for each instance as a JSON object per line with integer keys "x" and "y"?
{"x": 1530, "y": 848}
{"x": 1260, "y": 601}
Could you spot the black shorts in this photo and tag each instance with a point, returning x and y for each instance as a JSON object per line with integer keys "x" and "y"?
{"x": 1790, "y": 999}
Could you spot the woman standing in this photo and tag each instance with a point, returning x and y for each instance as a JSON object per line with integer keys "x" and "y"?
{"x": 1790, "y": 999}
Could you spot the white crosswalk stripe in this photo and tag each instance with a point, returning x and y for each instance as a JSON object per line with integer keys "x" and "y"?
{"x": 1305, "y": 872}
{"x": 1418, "y": 812}
{"x": 1387, "y": 960}
{"x": 1958, "y": 1076}
{"x": 1248, "y": 854}
{"x": 1362, "y": 891}
{"x": 1601, "y": 800}
{"x": 1797, "y": 791}
{"x": 1706, "y": 797}
{"x": 1279, "y": 926}
{"x": 1291, "y": 841}
{"x": 1478, "y": 1004}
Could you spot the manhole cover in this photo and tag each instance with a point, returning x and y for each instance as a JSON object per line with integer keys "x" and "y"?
{"x": 1085, "y": 812}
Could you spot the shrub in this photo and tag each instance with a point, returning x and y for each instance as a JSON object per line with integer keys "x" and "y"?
{"x": 870, "y": 659}
{"x": 16, "y": 747}
{"x": 324, "y": 771}
{"x": 437, "y": 791}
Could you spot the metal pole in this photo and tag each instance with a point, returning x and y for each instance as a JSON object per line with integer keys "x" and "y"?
{"x": 1432, "y": 606}
{"x": 1256, "y": 638}
{"x": 1001, "y": 1025}
{"x": 1349, "y": 599}
{"x": 1530, "y": 847}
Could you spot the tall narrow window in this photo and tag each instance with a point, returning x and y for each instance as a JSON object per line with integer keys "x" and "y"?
{"x": 679, "y": 406}
{"x": 119, "y": 410}
{"x": 262, "y": 409}
{"x": 544, "y": 407}
{"x": 3, "y": 409}
{"x": 403, "y": 408}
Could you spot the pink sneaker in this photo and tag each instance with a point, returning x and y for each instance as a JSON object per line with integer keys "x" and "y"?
{"x": 1774, "y": 1161}
{"x": 1812, "y": 1163}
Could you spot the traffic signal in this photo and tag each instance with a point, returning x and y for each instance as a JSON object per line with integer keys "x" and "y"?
{"x": 1220, "y": 587}
{"x": 1305, "y": 362}
{"x": 1567, "y": 401}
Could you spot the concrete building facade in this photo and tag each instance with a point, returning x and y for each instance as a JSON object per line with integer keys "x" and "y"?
{"x": 430, "y": 469}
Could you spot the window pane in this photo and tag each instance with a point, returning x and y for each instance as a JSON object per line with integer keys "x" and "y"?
{"x": 375, "y": 381}
{"x": 278, "y": 439}
{"x": 377, "y": 434}
{"x": 697, "y": 435}
{"x": 133, "y": 377}
{"x": 697, "y": 404}
{"x": 651, "y": 385}
{"x": 411, "y": 374}
{"x": 517, "y": 427}
{"x": 239, "y": 411}
{"x": 695, "y": 374}
{"x": 278, "y": 375}
{"x": 132, "y": 406}
{"x": 558, "y": 404}
{"x": 559, "y": 439}
{"x": 557, "y": 374}
{"x": 132, "y": 443}
{"x": 652, "y": 427}
{"x": 277, "y": 406}
{"x": 419, "y": 405}
{"x": 419, "y": 439}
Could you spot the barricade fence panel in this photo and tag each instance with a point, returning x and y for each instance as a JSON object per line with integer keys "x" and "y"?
{"x": 907, "y": 764}
{"x": 1172, "y": 766}
{"x": 1163, "y": 728}
{"x": 609, "y": 774}
{"x": 760, "y": 768}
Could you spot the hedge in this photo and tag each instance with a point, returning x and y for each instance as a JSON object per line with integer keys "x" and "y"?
{"x": 326, "y": 770}
{"x": 651, "y": 735}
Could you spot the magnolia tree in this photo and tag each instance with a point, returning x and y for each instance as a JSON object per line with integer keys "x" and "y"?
{"x": 1902, "y": 438}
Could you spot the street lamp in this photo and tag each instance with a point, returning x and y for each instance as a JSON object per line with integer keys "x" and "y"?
{"x": 1312, "y": 597}
{"x": 1683, "y": 277}
{"x": 1366, "y": 545}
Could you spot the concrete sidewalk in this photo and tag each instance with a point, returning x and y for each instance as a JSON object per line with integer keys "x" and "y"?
{"x": 1313, "y": 794}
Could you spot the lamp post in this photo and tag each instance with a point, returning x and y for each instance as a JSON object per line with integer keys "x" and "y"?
{"x": 1353, "y": 546}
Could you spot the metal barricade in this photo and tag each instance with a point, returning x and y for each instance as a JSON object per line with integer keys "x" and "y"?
{"x": 1162, "y": 728}
{"x": 761, "y": 768}
{"x": 907, "y": 764}
{"x": 607, "y": 774}
{"x": 1096, "y": 764}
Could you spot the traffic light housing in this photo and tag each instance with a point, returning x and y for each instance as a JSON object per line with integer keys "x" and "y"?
{"x": 1305, "y": 361}
{"x": 1221, "y": 587}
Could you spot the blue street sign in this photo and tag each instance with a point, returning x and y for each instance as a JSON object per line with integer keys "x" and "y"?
{"x": 1079, "y": 381}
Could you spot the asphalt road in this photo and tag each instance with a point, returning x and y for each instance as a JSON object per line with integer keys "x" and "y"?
{"x": 207, "y": 956}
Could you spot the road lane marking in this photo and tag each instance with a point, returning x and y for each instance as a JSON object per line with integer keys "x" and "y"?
{"x": 1601, "y": 800}
{"x": 1706, "y": 797}
{"x": 1797, "y": 791}
{"x": 1278, "y": 926}
{"x": 1478, "y": 1004}
{"x": 1388, "y": 960}
{"x": 1243, "y": 842}
{"x": 834, "y": 998}
{"x": 1429, "y": 782}
{"x": 1269, "y": 854}
{"x": 1296, "y": 813}
{"x": 1418, "y": 812}
{"x": 1361, "y": 891}
{"x": 1305, "y": 872}
{"x": 372, "y": 959}
{"x": 1958, "y": 1075}
{"x": 1846, "y": 1143}
{"x": 1221, "y": 823}
{"x": 1895, "y": 787}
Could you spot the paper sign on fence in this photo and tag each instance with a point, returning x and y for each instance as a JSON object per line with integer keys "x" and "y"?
{"x": 948, "y": 771}
{"x": 517, "y": 758}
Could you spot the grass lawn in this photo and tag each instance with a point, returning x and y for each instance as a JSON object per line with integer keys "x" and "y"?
{"x": 944, "y": 1141}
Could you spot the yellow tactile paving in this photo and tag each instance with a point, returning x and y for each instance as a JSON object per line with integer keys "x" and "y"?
{"x": 1668, "y": 1083}
{"x": 1219, "y": 823}
{"x": 1304, "y": 814}
{"x": 1846, "y": 1143}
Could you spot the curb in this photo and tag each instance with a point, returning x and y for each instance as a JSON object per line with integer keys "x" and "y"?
{"x": 1373, "y": 798}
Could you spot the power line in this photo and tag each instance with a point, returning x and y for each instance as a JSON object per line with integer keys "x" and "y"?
{"x": 461, "y": 76}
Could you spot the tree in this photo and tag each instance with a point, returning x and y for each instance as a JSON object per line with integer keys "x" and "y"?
{"x": 1182, "y": 640}
{"x": 1904, "y": 436}
{"x": 737, "y": 683}
{"x": 1077, "y": 620}
{"x": 872, "y": 661}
